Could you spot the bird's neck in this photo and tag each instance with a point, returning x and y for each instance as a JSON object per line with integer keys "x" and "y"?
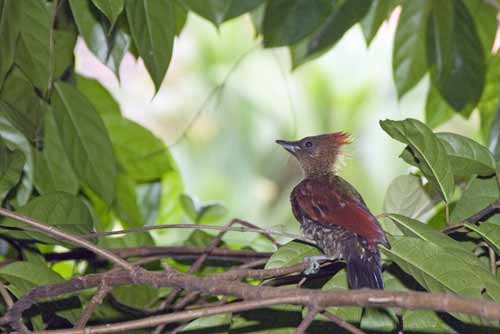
{"x": 319, "y": 173}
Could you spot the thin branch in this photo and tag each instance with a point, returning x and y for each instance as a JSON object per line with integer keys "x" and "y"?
{"x": 483, "y": 214}
{"x": 96, "y": 300}
{"x": 63, "y": 236}
{"x": 307, "y": 321}
{"x": 6, "y": 296}
{"x": 341, "y": 322}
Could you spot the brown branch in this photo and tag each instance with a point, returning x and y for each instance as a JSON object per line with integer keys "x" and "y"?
{"x": 63, "y": 236}
{"x": 341, "y": 322}
{"x": 483, "y": 214}
{"x": 307, "y": 321}
{"x": 96, "y": 300}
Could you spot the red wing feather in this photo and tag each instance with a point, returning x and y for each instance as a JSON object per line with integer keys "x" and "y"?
{"x": 323, "y": 203}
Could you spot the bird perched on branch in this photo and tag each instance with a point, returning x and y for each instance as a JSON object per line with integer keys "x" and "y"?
{"x": 332, "y": 213}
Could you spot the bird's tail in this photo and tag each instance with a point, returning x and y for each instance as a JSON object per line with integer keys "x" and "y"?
{"x": 363, "y": 267}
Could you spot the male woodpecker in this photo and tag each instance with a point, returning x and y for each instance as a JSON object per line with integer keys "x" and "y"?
{"x": 332, "y": 213}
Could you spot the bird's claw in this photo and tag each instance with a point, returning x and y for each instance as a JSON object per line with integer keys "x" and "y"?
{"x": 313, "y": 264}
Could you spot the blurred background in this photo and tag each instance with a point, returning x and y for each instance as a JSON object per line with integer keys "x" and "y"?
{"x": 225, "y": 100}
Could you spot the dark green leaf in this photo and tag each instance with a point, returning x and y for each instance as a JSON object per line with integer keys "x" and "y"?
{"x": 21, "y": 104}
{"x": 138, "y": 296}
{"x": 437, "y": 110}
{"x": 99, "y": 96}
{"x": 466, "y": 156}
{"x": 64, "y": 46}
{"x": 125, "y": 205}
{"x": 456, "y": 54}
{"x": 53, "y": 171}
{"x": 9, "y": 30}
{"x": 11, "y": 166}
{"x": 344, "y": 16}
{"x": 60, "y": 210}
{"x": 180, "y": 17}
{"x": 428, "y": 150}
{"x": 490, "y": 232}
{"x": 478, "y": 194}
{"x": 288, "y": 21}
{"x": 489, "y": 105}
{"x": 218, "y": 11}
{"x": 152, "y": 24}
{"x": 406, "y": 196}
{"x": 378, "y": 13}
{"x": 409, "y": 62}
{"x": 485, "y": 19}
{"x": 291, "y": 253}
{"x": 143, "y": 156}
{"x": 110, "y": 8}
{"x": 85, "y": 141}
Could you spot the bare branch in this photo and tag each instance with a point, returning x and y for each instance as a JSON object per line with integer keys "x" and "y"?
{"x": 307, "y": 321}
{"x": 96, "y": 300}
{"x": 341, "y": 322}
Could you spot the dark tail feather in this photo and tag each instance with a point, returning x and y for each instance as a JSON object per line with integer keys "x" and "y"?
{"x": 364, "y": 269}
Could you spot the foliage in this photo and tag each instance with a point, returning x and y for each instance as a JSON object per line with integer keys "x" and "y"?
{"x": 71, "y": 160}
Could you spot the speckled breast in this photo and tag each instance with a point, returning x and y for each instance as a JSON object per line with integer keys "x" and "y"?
{"x": 333, "y": 240}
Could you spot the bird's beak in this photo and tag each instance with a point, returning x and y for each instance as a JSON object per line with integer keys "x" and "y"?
{"x": 290, "y": 146}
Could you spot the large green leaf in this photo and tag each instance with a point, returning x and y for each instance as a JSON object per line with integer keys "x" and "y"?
{"x": 126, "y": 205}
{"x": 490, "y": 232}
{"x": 143, "y": 155}
{"x": 485, "y": 20}
{"x": 16, "y": 140}
{"x": 53, "y": 171}
{"x": 110, "y": 8}
{"x": 406, "y": 196}
{"x": 456, "y": 54}
{"x": 291, "y": 253}
{"x": 149, "y": 196}
{"x": 60, "y": 210}
{"x": 218, "y": 11}
{"x": 489, "y": 105}
{"x": 442, "y": 269}
{"x": 9, "y": 30}
{"x": 339, "y": 282}
{"x": 478, "y": 194}
{"x": 288, "y": 21}
{"x": 99, "y": 96}
{"x": 437, "y": 110}
{"x": 427, "y": 149}
{"x": 152, "y": 24}
{"x": 379, "y": 11}
{"x": 344, "y": 15}
{"x": 21, "y": 104}
{"x": 85, "y": 141}
{"x": 108, "y": 44}
{"x": 11, "y": 166}
{"x": 409, "y": 58}
{"x": 466, "y": 156}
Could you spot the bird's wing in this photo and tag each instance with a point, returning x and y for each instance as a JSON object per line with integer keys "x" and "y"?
{"x": 332, "y": 204}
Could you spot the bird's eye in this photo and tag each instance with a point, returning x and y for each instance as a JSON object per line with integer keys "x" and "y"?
{"x": 308, "y": 144}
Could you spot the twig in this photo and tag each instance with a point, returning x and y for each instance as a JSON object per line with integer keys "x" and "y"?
{"x": 96, "y": 300}
{"x": 307, "y": 321}
{"x": 6, "y": 296}
{"x": 341, "y": 322}
{"x": 63, "y": 236}
{"x": 483, "y": 214}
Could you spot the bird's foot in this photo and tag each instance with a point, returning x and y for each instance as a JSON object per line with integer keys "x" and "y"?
{"x": 314, "y": 263}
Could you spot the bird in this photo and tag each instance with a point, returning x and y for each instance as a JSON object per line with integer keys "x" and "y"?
{"x": 332, "y": 212}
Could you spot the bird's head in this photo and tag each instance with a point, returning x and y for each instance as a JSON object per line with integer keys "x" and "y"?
{"x": 317, "y": 154}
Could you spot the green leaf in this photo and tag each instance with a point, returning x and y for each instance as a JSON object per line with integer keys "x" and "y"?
{"x": 16, "y": 140}
{"x": 211, "y": 213}
{"x": 110, "y": 8}
{"x": 85, "y": 141}
{"x": 215, "y": 324}
{"x": 126, "y": 206}
{"x": 53, "y": 171}
{"x": 138, "y": 296}
{"x": 219, "y": 11}
{"x": 425, "y": 322}
{"x": 437, "y": 110}
{"x": 21, "y": 104}
{"x": 406, "y": 196}
{"x": 64, "y": 46}
{"x": 379, "y": 11}
{"x": 288, "y": 21}
{"x": 10, "y": 11}
{"x": 11, "y": 166}
{"x": 466, "y": 156}
{"x": 490, "y": 232}
{"x": 291, "y": 253}
{"x": 170, "y": 210}
{"x": 485, "y": 20}
{"x": 409, "y": 62}
{"x": 99, "y": 96}
{"x": 152, "y": 24}
{"x": 189, "y": 206}
{"x": 456, "y": 54}
{"x": 339, "y": 282}
{"x": 343, "y": 17}
{"x": 428, "y": 150}
{"x": 141, "y": 154}
{"x": 180, "y": 17}
{"x": 489, "y": 103}
{"x": 282, "y": 319}
{"x": 60, "y": 210}
{"x": 442, "y": 269}
{"x": 478, "y": 194}
{"x": 108, "y": 46}
{"x": 149, "y": 196}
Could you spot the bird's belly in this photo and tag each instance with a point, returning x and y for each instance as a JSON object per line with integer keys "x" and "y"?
{"x": 332, "y": 240}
